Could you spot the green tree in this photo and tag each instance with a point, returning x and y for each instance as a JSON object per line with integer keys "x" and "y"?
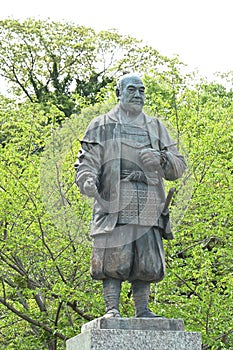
{"x": 46, "y": 293}
{"x": 63, "y": 64}
{"x": 44, "y": 267}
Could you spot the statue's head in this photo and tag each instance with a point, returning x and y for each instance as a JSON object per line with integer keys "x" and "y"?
{"x": 130, "y": 92}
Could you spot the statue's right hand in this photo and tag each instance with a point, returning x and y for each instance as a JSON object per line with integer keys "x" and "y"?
{"x": 90, "y": 188}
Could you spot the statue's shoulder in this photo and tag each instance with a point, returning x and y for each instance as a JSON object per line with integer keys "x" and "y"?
{"x": 155, "y": 120}
{"x": 152, "y": 119}
{"x": 99, "y": 128}
{"x": 99, "y": 120}
{"x": 103, "y": 119}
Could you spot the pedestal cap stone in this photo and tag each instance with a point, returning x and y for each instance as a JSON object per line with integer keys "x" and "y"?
{"x": 153, "y": 324}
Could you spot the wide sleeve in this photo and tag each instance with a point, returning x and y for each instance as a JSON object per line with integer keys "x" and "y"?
{"x": 173, "y": 163}
{"x": 88, "y": 164}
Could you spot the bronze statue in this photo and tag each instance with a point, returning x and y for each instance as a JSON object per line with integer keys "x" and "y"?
{"x": 124, "y": 157}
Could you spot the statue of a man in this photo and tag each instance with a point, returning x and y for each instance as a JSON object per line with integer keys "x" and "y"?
{"x": 124, "y": 157}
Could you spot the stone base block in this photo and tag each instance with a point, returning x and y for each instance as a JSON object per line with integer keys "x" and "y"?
{"x": 135, "y": 334}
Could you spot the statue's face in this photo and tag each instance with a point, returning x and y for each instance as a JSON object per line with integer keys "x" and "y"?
{"x": 132, "y": 95}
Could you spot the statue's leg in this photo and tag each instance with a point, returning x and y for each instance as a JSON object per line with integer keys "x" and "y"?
{"x": 112, "y": 290}
{"x": 141, "y": 292}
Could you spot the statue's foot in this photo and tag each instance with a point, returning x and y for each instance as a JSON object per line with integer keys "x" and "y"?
{"x": 146, "y": 314}
{"x": 112, "y": 313}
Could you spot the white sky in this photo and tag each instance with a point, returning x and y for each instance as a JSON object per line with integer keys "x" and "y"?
{"x": 199, "y": 31}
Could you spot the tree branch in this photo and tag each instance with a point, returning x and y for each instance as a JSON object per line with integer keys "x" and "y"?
{"x": 190, "y": 288}
{"x": 221, "y": 336}
{"x": 32, "y": 321}
{"x": 21, "y": 85}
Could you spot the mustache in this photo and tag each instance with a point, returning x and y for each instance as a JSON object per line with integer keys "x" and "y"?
{"x": 137, "y": 99}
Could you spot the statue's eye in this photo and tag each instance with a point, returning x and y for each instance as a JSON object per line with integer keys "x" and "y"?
{"x": 131, "y": 89}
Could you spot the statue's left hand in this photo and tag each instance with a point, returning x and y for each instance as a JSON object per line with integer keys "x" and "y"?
{"x": 151, "y": 159}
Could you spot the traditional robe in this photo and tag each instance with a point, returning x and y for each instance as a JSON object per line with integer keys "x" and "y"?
{"x": 101, "y": 158}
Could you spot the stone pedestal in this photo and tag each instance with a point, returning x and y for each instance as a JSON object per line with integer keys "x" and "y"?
{"x": 135, "y": 334}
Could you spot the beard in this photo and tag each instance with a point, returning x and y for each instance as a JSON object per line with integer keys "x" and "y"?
{"x": 132, "y": 107}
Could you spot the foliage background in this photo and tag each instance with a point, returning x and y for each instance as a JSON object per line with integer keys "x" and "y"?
{"x": 59, "y": 77}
